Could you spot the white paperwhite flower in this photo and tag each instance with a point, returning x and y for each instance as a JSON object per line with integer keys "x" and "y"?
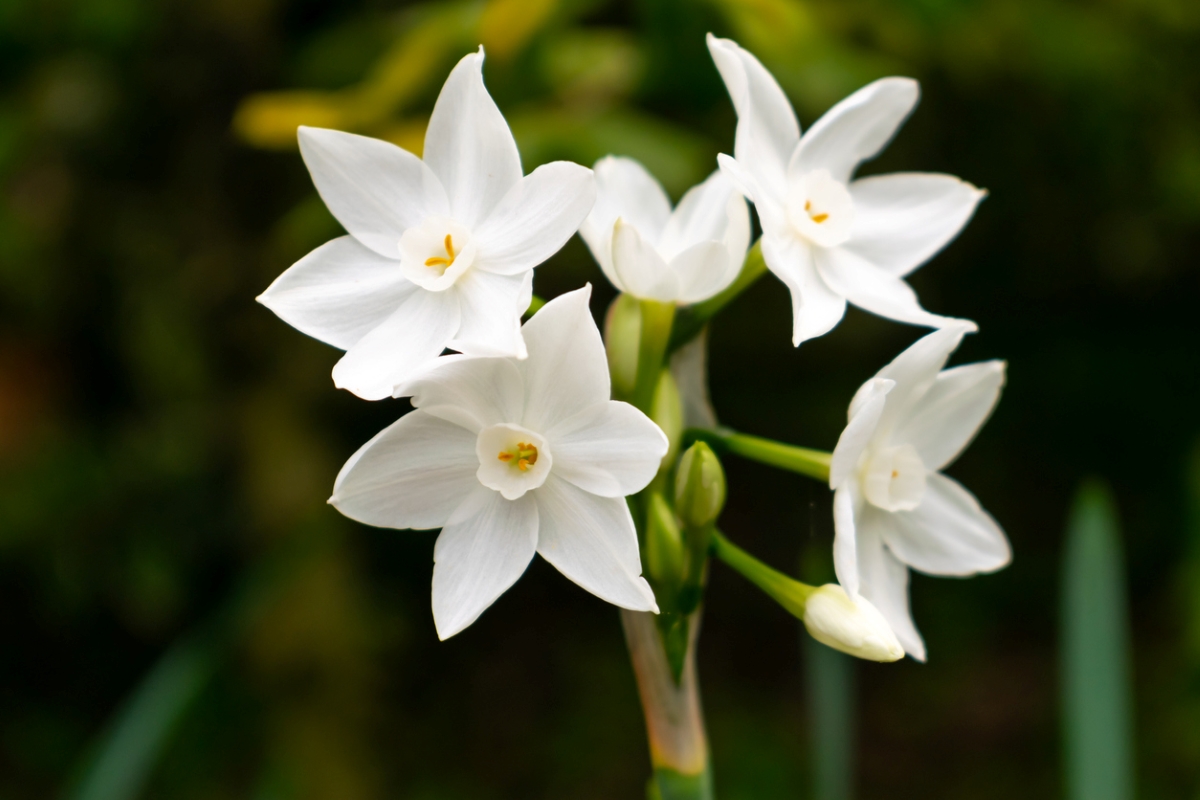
{"x": 651, "y": 252}
{"x": 509, "y": 457}
{"x": 850, "y": 624}
{"x": 440, "y": 252}
{"x": 830, "y": 239}
{"x": 892, "y": 507}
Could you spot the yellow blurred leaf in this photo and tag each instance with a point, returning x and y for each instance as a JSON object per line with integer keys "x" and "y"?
{"x": 507, "y": 25}
{"x": 269, "y": 120}
{"x": 595, "y": 65}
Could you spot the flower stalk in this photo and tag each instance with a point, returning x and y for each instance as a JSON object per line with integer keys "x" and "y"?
{"x": 804, "y": 460}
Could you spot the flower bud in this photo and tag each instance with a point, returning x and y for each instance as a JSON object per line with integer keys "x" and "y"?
{"x": 667, "y": 413}
{"x": 664, "y": 544}
{"x": 622, "y": 338}
{"x": 699, "y": 486}
{"x": 853, "y": 626}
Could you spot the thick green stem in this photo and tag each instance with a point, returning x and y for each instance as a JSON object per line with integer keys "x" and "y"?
{"x": 813, "y": 463}
{"x": 692, "y": 319}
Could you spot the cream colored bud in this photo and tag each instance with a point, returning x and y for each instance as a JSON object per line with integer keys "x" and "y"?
{"x": 853, "y": 626}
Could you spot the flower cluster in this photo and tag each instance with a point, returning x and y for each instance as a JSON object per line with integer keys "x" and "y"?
{"x": 516, "y": 444}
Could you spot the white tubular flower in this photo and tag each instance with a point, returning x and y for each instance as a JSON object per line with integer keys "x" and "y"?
{"x": 509, "y": 457}
{"x": 892, "y": 507}
{"x": 831, "y": 240}
{"x": 651, "y": 252}
{"x": 850, "y": 624}
{"x": 440, "y": 252}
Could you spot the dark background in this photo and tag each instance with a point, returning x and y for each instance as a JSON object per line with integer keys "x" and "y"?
{"x": 167, "y": 445}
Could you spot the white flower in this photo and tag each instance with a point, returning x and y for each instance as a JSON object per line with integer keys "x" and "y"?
{"x": 510, "y": 457}
{"x": 851, "y": 625}
{"x": 828, "y": 239}
{"x": 440, "y": 253}
{"x": 892, "y": 507}
{"x": 647, "y": 250}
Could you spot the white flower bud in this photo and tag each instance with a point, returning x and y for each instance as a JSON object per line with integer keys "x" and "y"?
{"x": 852, "y": 626}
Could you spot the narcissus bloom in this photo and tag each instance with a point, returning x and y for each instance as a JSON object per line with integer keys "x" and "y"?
{"x": 828, "y": 238}
{"x": 510, "y": 457}
{"x": 651, "y": 252}
{"x": 440, "y": 252}
{"x": 893, "y": 509}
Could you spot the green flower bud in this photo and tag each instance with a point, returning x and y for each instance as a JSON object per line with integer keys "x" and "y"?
{"x": 664, "y": 544}
{"x": 699, "y": 486}
{"x": 622, "y": 339}
{"x": 667, "y": 413}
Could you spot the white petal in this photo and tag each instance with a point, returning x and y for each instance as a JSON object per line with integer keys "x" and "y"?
{"x": 948, "y": 534}
{"x": 884, "y": 582}
{"x": 856, "y": 128}
{"x": 914, "y": 371}
{"x": 338, "y": 292}
{"x": 816, "y": 308}
{"x": 491, "y": 314}
{"x": 592, "y": 541}
{"x": 477, "y": 559}
{"x": 640, "y": 270}
{"x": 374, "y": 188}
{"x": 473, "y": 392}
{"x": 767, "y": 130}
{"x": 952, "y": 412}
{"x": 567, "y": 369}
{"x": 536, "y": 218}
{"x": 625, "y": 189}
{"x": 689, "y": 365}
{"x": 412, "y": 474}
{"x": 873, "y": 289}
{"x": 469, "y": 146}
{"x": 902, "y": 220}
{"x": 702, "y": 215}
{"x": 865, "y": 411}
{"x": 846, "y": 507}
{"x": 703, "y": 270}
{"x": 400, "y": 346}
{"x": 746, "y": 183}
{"x": 611, "y": 450}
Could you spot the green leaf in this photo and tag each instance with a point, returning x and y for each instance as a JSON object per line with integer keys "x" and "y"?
{"x": 1096, "y": 686}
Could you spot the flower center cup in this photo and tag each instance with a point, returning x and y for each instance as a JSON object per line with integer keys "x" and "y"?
{"x": 512, "y": 459}
{"x": 894, "y": 478}
{"x": 820, "y": 208}
{"x": 436, "y": 253}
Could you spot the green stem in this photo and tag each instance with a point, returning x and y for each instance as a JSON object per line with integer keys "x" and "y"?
{"x": 657, "y": 319}
{"x": 692, "y": 319}
{"x": 788, "y": 592}
{"x": 813, "y": 463}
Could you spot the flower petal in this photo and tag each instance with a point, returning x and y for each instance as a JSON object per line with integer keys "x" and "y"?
{"x": 338, "y": 292}
{"x": 948, "y": 534}
{"x": 567, "y": 369}
{"x": 884, "y": 582}
{"x": 846, "y": 507}
{"x": 469, "y": 146}
{"x": 611, "y": 450}
{"x": 470, "y": 391}
{"x": 857, "y": 128}
{"x": 902, "y": 220}
{"x": 747, "y": 184}
{"x": 689, "y": 365}
{"x": 624, "y": 189}
{"x": 865, "y": 411}
{"x": 873, "y": 289}
{"x": 702, "y": 271}
{"x": 536, "y": 218}
{"x": 374, "y": 188}
{"x": 592, "y": 541}
{"x": 412, "y": 474}
{"x": 400, "y": 346}
{"x": 639, "y": 269}
{"x": 704, "y": 214}
{"x": 914, "y": 372}
{"x": 478, "y": 559}
{"x": 767, "y": 130}
{"x": 952, "y": 412}
{"x": 491, "y": 314}
{"x": 816, "y": 308}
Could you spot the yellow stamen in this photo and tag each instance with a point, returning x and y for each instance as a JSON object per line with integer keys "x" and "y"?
{"x": 438, "y": 261}
{"x": 526, "y": 455}
{"x": 817, "y": 218}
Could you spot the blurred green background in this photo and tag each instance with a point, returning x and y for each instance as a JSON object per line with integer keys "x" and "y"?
{"x": 167, "y": 445}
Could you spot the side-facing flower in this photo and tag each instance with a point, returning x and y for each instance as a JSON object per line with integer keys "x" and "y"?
{"x": 831, "y": 240}
{"x": 510, "y": 457}
{"x": 440, "y": 252}
{"x": 892, "y": 507}
{"x": 850, "y": 624}
{"x": 651, "y": 252}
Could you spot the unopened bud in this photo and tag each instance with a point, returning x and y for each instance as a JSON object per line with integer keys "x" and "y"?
{"x": 699, "y": 486}
{"x": 622, "y": 338}
{"x": 667, "y": 413}
{"x": 664, "y": 544}
{"x": 853, "y": 626}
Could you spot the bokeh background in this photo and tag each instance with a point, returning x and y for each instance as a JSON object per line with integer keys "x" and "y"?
{"x": 167, "y": 558}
